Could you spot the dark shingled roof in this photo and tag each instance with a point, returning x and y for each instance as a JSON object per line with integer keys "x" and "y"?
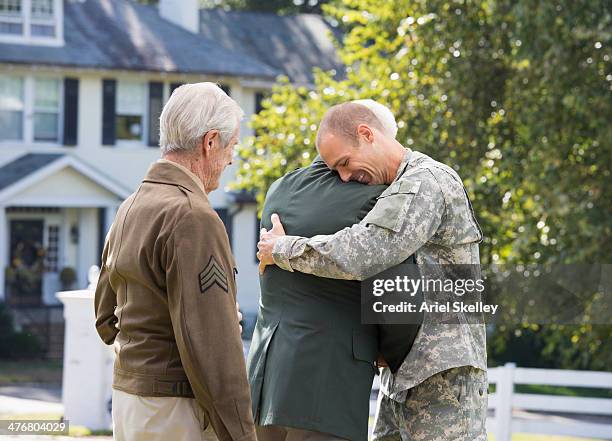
{"x": 120, "y": 34}
{"x": 24, "y": 165}
{"x": 293, "y": 44}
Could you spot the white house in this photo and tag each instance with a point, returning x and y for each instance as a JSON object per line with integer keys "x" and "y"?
{"x": 82, "y": 84}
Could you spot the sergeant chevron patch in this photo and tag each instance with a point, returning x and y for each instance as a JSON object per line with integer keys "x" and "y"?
{"x": 213, "y": 274}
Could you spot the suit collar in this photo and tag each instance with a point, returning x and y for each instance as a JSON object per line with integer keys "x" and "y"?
{"x": 317, "y": 159}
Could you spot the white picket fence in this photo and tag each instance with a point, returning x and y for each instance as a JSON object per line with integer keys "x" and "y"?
{"x": 544, "y": 414}
{"x": 548, "y": 414}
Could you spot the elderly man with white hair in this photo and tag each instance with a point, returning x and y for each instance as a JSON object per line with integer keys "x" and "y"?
{"x": 166, "y": 296}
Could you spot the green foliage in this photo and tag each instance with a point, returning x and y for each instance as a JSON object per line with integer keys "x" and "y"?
{"x": 30, "y": 371}
{"x": 515, "y": 95}
{"x": 67, "y": 276}
{"x": 552, "y": 346}
{"x": 15, "y": 345}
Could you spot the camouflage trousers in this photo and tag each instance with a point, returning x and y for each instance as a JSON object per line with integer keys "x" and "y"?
{"x": 449, "y": 406}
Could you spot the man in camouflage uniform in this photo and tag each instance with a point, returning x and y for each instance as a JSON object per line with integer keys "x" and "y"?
{"x": 440, "y": 390}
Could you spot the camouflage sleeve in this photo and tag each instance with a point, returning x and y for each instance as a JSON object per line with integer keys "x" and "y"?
{"x": 404, "y": 218}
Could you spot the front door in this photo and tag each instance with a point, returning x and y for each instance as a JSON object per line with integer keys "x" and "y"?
{"x": 27, "y": 262}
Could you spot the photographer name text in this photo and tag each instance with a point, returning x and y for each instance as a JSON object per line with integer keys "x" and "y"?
{"x": 478, "y": 307}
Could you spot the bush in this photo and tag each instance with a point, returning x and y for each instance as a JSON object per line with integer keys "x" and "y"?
{"x": 67, "y": 277}
{"x": 15, "y": 345}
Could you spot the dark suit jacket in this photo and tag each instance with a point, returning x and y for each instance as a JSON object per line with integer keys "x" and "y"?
{"x": 310, "y": 364}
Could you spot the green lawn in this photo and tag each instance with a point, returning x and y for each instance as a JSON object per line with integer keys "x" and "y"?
{"x": 30, "y": 371}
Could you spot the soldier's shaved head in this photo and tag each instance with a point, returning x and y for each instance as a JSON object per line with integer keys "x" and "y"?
{"x": 344, "y": 119}
{"x": 357, "y": 140}
{"x": 383, "y": 113}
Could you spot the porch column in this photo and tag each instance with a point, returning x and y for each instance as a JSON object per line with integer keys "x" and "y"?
{"x": 109, "y": 216}
{"x": 4, "y": 250}
{"x": 87, "y": 244}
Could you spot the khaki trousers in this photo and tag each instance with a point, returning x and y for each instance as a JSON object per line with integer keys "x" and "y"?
{"x": 137, "y": 418}
{"x": 281, "y": 433}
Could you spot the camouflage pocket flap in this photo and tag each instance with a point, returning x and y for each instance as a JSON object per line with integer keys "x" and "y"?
{"x": 402, "y": 187}
{"x": 392, "y": 205}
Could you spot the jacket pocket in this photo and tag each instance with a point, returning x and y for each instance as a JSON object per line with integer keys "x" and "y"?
{"x": 119, "y": 345}
{"x": 393, "y": 204}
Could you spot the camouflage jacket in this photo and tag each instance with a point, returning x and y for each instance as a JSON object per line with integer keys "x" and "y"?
{"x": 425, "y": 211}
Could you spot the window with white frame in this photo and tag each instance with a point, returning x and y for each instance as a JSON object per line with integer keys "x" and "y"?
{"x": 130, "y": 111}
{"x": 46, "y": 109}
{"x": 52, "y": 255}
{"x": 30, "y": 109}
{"x": 30, "y": 20}
{"x": 11, "y": 108}
{"x": 11, "y": 17}
{"x": 42, "y": 20}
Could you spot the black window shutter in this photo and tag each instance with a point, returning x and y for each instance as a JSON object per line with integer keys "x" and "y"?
{"x": 259, "y": 97}
{"x": 174, "y": 86}
{"x": 156, "y": 103}
{"x": 226, "y": 218}
{"x": 109, "y": 90}
{"x": 225, "y": 88}
{"x": 71, "y": 110}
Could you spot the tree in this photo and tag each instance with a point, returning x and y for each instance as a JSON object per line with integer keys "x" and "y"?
{"x": 516, "y": 96}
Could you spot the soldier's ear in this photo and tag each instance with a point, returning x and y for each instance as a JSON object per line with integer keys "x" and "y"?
{"x": 364, "y": 131}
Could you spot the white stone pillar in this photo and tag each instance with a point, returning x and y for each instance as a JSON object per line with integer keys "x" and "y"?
{"x": 87, "y": 374}
{"x": 87, "y": 246}
{"x": 4, "y": 250}
{"x": 110, "y": 212}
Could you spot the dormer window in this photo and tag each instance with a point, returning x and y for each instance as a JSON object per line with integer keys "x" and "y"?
{"x": 31, "y": 21}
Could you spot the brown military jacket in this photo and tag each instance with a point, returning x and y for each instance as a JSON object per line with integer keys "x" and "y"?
{"x": 166, "y": 300}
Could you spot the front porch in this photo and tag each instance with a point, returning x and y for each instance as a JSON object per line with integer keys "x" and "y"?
{"x": 55, "y": 211}
{"x": 49, "y": 249}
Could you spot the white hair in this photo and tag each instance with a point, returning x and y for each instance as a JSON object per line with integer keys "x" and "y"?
{"x": 193, "y": 110}
{"x": 383, "y": 114}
